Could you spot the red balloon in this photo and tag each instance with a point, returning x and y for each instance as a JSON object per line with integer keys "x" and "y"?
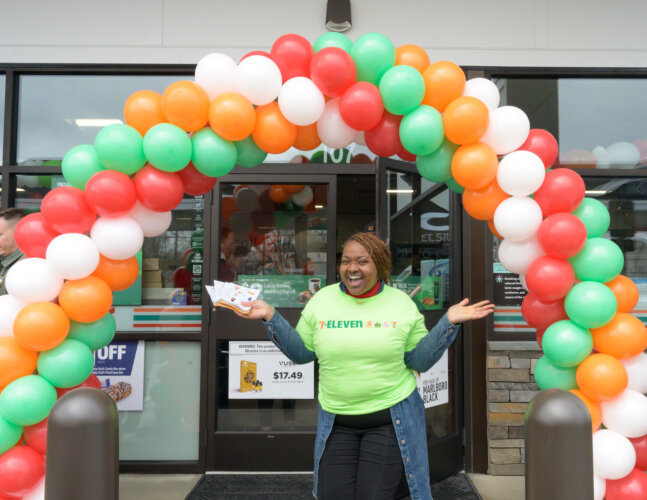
{"x": 384, "y": 138}
{"x": 543, "y": 144}
{"x": 540, "y": 336}
{"x": 631, "y": 487}
{"x": 110, "y": 193}
{"x": 21, "y": 467}
{"x": 195, "y": 183}
{"x": 36, "y": 436}
{"x": 32, "y": 235}
{"x": 541, "y": 315}
{"x": 562, "y": 235}
{"x": 549, "y": 278}
{"x": 256, "y": 53}
{"x": 292, "y": 54}
{"x": 640, "y": 445}
{"x": 333, "y": 71}
{"x": 361, "y": 106}
{"x": 66, "y": 210}
{"x": 562, "y": 191}
{"x": 182, "y": 278}
{"x": 157, "y": 190}
{"x": 92, "y": 381}
{"x": 406, "y": 156}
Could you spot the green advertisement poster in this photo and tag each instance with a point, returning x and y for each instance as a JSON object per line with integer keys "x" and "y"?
{"x": 430, "y": 295}
{"x": 284, "y": 290}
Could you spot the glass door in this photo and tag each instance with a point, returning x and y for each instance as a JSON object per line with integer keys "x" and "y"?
{"x": 418, "y": 219}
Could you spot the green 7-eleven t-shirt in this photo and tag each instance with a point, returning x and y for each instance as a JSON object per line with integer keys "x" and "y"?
{"x": 360, "y": 346}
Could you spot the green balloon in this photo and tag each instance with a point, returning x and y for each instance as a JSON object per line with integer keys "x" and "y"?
{"x": 120, "y": 147}
{"x": 566, "y": 343}
{"x": 291, "y": 209}
{"x": 79, "y": 164}
{"x": 402, "y": 89}
{"x": 600, "y": 260}
{"x": 27, "y": 400}
{"x": 66, "y": 365}
{"x": 333, "y": 39}
{"x": 550, "y": 376}
{"x": 249, "y": 154}
{"x": 437, "y": 166}
{"x": 421, "y": 131}
{"x": 167, "y": 147}
{"x": 281, "y": 219}
{"x": 454, "y": 186}
{"x": 213, "y": 155}
{"x": 590, "y": 304}
{"x": 594, "y": 215}
{"x": 96, "y": 334}
{"x": 373, "y": 54}
{"x": 9, "y": 434}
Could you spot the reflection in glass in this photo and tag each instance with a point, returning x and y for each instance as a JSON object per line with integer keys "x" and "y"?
{"x": 51, "y": 109}
{"x": 168, "y": 427}
{"x": 2, "y": 92}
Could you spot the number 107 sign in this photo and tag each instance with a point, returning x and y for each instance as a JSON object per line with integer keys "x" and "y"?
{"x": 258, "y": 370}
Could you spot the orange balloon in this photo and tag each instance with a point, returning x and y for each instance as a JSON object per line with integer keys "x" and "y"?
{"x": 601, "y": 377}
{"x": 625, "y": 336}
{"x": 490, "y": 224}
{"x": 273, "y": 133}
{"x": 626, "y": 292}
{"x": 307, "y": 138}
{"x": 444, "y": 82}
{"x": 474, "y": 166}
{"x": 412, "y": 55}
{"x": 482, "y": 204}
{"x": 41, "y": 326}
{"x": 86, "y": 300}
{"x": 228, "y": 207}
{"x": 15, "y": 360}
{"x": 186, "y": 105}
{"x": 143, "y": 110}
{"x": 279, "y": 195}
{"x": 231, "y": 116}
{"x": 119, "y": 274}
{"x": 593, "y": 407}
{"x": 293, "y": 188}
{"x": 465, "y": 120}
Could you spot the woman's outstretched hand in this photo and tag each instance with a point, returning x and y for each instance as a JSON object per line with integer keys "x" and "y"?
{"x": 259, "y": 310}
{"x": 461, "y": 312}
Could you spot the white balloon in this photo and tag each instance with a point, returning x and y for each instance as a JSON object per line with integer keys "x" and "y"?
{"x": 215, "y": 74}
{"x": 613, "y": 455}
{"x": 508, "y": 129}
{"x": 484, "y": 90}
{"x": 117, "y": 238}
{"x": 258, "y": 79}
{"x": 520, "y": 173}
{"x": 304, "y": 197}
{"x": 72, "y": 256}
{"x": 241, "y": 223}
{"x": 637, "y": 372}
{"x": 626, "y": 414}
{"x": 301, "y": 101}
{"x": 37, "y": 492}
{"x": 622, "y": 154}
{"x": 332, "y": 129}
{"x": 517, "y": 218}
{"x": 599, "y": 488}
{"x": 10, "y": 306}
{"x": 516, "y": 256}
{"x": 522, "y": 279}
{"x": 152, "y": 223}
{"x": 33, "y": 280}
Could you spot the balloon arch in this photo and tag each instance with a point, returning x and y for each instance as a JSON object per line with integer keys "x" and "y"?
{"x": 81, "y": 246}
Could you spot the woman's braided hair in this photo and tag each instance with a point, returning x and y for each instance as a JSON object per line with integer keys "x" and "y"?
{"x": 377, "y": 250}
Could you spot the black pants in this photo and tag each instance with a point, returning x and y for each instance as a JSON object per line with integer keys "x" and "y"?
{"x": 360, "y": 464}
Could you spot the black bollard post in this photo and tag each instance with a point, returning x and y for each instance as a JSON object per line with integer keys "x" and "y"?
{"x": 83, "y": 447}
{"x": 559, "y": 447}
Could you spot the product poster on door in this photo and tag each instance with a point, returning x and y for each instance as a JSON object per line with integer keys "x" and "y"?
{"x": 119, "y": 366}
{"x": 433, "y": 385}
{"x": 258, "y": 370}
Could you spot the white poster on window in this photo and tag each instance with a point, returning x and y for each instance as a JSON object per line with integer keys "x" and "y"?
{"x": 433, "y": 385}
{"x": 258, "y": 370}
{"x": 119, "y": 366}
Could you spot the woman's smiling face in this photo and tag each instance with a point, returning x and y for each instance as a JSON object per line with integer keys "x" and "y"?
{"x": 357, "y": 269}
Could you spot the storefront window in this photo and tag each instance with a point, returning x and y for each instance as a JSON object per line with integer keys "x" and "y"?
{"x": 598, "y": 122}
{"x": 2, "y": 92}
{"x": 59, "y": 112}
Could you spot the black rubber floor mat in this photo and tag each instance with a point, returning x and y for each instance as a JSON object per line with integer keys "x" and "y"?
{"x": 299, "y": 486}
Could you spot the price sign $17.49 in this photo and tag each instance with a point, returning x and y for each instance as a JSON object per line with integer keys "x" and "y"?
{"x": 288, "y": 375}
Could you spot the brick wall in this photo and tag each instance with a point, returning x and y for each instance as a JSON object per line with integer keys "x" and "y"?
{"x": 511, "y": 385}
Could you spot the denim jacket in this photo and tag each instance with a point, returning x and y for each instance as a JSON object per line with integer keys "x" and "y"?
{"x": 408, "y": 415}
